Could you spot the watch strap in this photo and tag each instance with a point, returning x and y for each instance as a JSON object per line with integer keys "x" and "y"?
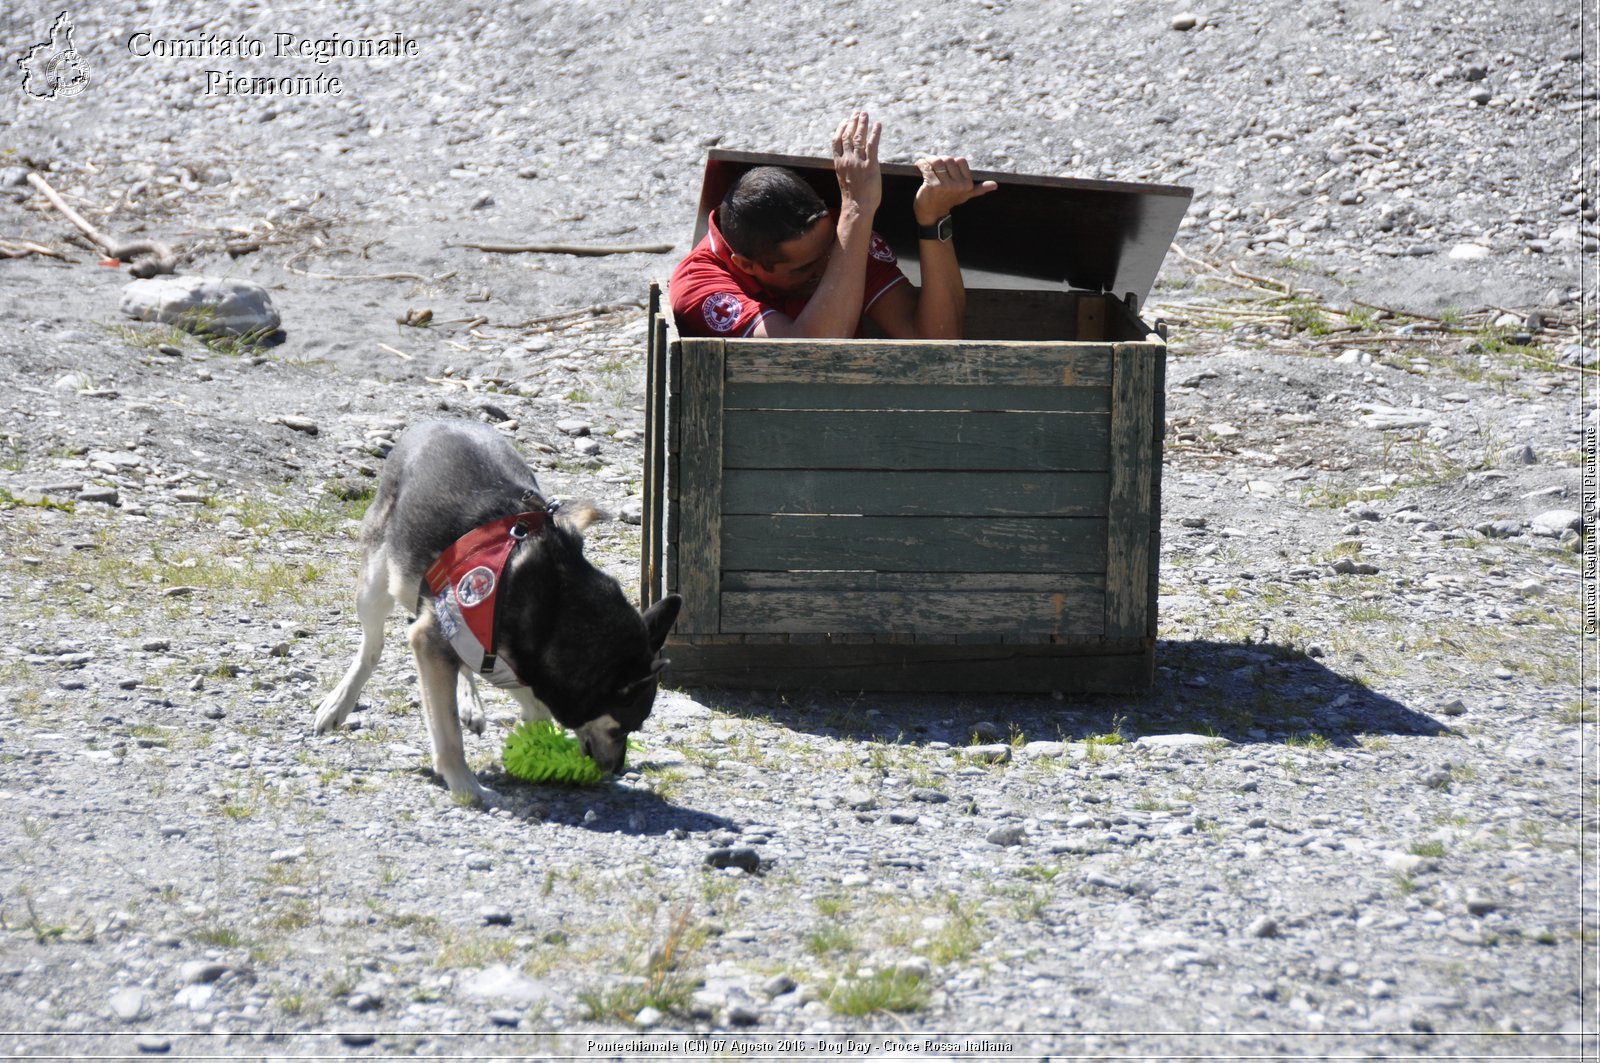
{"x": 942, "y": 229}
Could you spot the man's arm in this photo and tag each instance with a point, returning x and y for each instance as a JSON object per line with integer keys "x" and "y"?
{"x": 834, "y": 310}
{"x": 936, "y": 311}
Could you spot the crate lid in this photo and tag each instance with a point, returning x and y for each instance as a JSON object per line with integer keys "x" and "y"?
{"x": 1031, "y": 232}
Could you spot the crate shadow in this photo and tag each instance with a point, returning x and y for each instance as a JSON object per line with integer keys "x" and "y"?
{"x": 1244, "y": 692}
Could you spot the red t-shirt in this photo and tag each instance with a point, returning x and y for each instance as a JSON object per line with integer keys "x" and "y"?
{"x": 713, "y": 297}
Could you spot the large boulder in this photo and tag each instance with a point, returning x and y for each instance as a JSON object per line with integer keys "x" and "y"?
{"x": 216, "y": 305}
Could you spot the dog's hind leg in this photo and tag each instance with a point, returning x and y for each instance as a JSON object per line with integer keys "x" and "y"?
{"x": 436, "y": 672}
{"x": 472, "y": 715}
{"x": 532, "y": 708}
{"x": 374, "y": 600}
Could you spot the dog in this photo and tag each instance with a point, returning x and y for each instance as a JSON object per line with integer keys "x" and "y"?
{"x": 553, "y": 630}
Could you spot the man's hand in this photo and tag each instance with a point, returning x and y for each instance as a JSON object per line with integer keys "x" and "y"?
{"x": 855, "y": 163}
{"x": 946, "y": 184}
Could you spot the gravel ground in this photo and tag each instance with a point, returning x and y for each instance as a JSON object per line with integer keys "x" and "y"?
{"x": 1353, "y": 817}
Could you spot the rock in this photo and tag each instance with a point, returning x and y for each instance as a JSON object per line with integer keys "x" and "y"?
{"x": 1552, "y": 522}
{"x": 494, "y": 916}
{"x": 1180, "y": 741}
{"x": 1453, "y": 707}
{"x": 587, "y": 446}
{"x": 988, "y": 731}
{"x": 1263, "y": 927}
{"x": 930, "y": 796}
{"x": 506, "y": 1017}
{"x": 777, "y": 985}
{"x": 357, "y": 1038}
{"x": 1519, "y": 455}
{"x": 1469, "y": 252}
{"x": 70, "y": 382}
{"x": 361, "y": 1003}
{"x": 104, "y": 495}
{"x": 128, "y": 1004}
{"x": 1006, "y": 835}
{"x": 859, "y": 800}
{"x": 1480, "y": 95}
{"x": 217, "y": 305}
{"x": 632, "y": 511}
{"x": 996, "y": 753}
{"x": 742, "y": 1014}
{"x": 741, "y": 856}
{"x": 1499, "y": 529}
{"x": 152, "y": 1043}
{"x": 200, "y": 972}
{"x": 1407, "y": 864}
{"x": 298, "y": 423}
{"x": 1389, "y": 418}
{"x": 1480, "y": 905}
{"x": 1185, "y": 21}
{"x": 574, "y": 427}
{"x": 648, "y": 1018}
{"x": 503, "y": 984}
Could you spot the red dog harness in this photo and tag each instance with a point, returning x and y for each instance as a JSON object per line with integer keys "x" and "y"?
{"x": 464, "y": 583}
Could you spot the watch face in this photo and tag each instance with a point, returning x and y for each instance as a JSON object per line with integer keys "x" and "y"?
{"x": 946, "y": 227}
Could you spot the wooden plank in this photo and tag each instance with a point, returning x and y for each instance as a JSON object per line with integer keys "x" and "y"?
{"x": 916, "y": 397}
{"x": 1090, "y": 666}
{"x": 914, "y": 544}
{"x": 915, "y": 362}
{"x": 928, "y": 494}
{"x": 699, "y": 531}
{"x": 1133, "y": 406}
{"x": 963, "y": 613}
{"x": 649, "y": 548}
{"x": 915, "y": 582}
{"x": 658, "y": 461}
{"x": 1158, "y": 435}
{"x": 1091, "y": 318}
{"x": 1020, "y": 314}
{"x": 828, "y": 439}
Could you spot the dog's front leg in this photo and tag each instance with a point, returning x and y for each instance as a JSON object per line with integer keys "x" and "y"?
{"x": 436, "y": 673}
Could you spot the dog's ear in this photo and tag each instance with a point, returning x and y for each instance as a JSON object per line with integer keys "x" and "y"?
{"x": 659, "y": 618}
{"x": 577, "y": 516}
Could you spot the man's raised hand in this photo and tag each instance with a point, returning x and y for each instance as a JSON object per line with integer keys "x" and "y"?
{"x": 946, "y": 184}
{"x": 855, "y": 162}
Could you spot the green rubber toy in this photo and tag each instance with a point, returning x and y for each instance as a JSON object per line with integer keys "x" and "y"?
{"x": 542, "y": 752}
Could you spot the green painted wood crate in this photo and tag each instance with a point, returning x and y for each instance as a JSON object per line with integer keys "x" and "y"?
{"x": 979, "y": 514}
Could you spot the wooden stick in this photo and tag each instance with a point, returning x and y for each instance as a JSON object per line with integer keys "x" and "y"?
{"x": 1259, "y": 280}
{"x": 20, "y": 248}
{"x": 101, "y": 240}
{"x": 397, "y": 352}
{"x": 598, "y": 310}
{"x": 292, "y": 268}
{"x": 571, "y": 249}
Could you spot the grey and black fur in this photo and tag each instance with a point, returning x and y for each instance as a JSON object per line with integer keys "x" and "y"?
{"x": 590, "y": 659}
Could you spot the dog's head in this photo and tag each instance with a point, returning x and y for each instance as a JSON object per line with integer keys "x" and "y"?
{"x": 576, "y": 641}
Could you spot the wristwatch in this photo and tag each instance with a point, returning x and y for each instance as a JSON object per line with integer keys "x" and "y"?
{"x": 942, "y": 230}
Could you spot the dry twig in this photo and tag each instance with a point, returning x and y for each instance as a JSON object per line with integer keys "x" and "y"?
{"x": 571, "y": 249}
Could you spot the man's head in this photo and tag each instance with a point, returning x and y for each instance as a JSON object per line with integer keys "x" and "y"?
{"x": 777, "y": 228}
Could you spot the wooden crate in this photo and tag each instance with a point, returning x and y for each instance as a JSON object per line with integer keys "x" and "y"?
{"x": 977, "y": 514}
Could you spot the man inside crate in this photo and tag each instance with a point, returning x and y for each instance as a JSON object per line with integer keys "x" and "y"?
{"x": 776, "y": 263}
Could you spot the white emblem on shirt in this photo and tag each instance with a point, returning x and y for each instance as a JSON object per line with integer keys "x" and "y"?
{"x": 722, "y": 311}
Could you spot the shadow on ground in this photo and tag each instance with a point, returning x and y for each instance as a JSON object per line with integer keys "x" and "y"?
{"x": 1242, "y": 692}
{"x": 605, "y": 807}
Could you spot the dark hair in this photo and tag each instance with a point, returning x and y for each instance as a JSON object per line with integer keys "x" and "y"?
{"x": 767, "y": 206}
